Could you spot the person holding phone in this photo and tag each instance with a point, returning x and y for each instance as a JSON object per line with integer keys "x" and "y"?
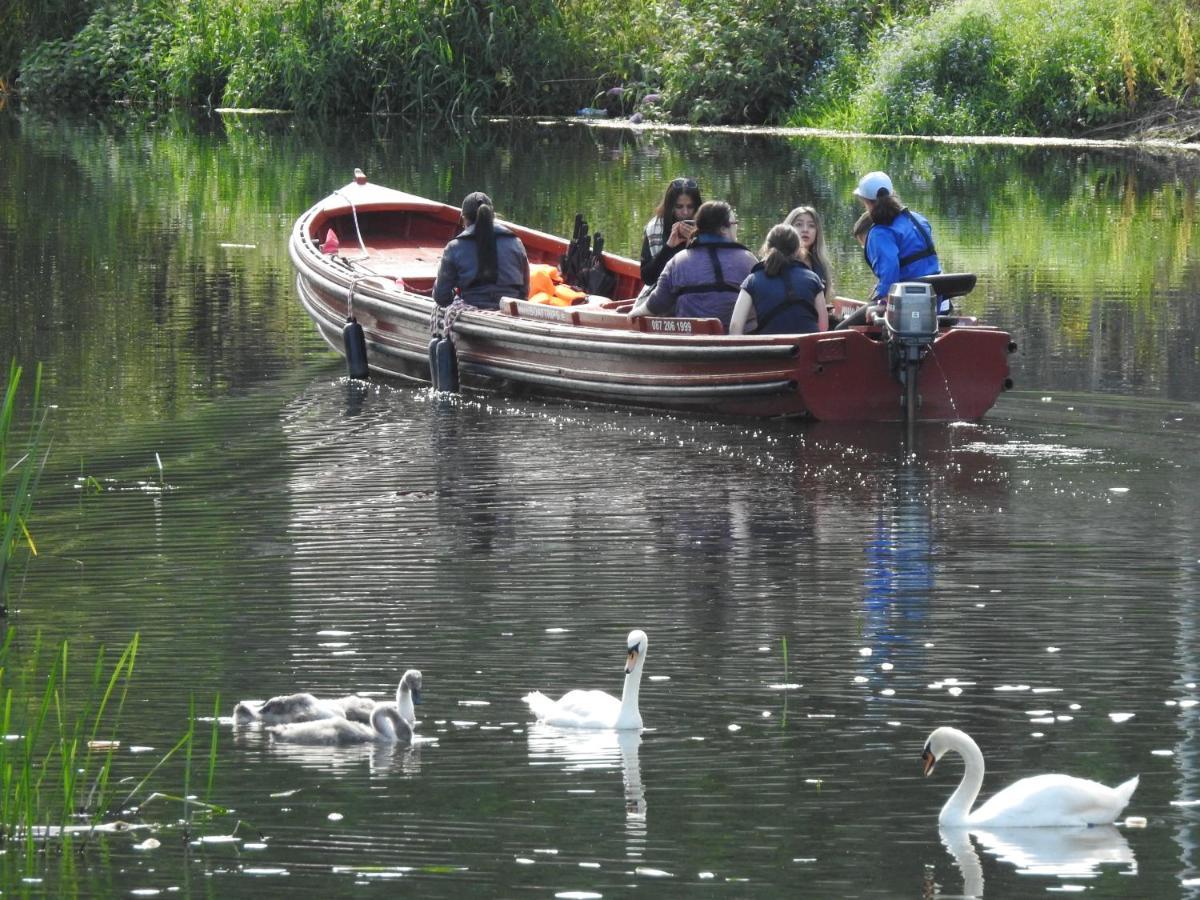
{"x": 672, "y": 227}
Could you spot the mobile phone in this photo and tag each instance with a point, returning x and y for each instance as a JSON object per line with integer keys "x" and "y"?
{"x": 689, "y": 221}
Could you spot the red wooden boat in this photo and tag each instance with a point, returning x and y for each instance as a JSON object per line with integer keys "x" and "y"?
{"x": 383, "y": 272}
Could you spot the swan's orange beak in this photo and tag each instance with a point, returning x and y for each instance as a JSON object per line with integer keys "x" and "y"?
{"x": 631, "y": 660}
{"x": 928, "y": 760}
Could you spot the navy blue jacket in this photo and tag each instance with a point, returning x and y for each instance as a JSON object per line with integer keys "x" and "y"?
{"x": 787, "y": 302}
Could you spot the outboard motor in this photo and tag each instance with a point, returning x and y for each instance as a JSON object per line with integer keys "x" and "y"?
{"x": 910, "y": 324}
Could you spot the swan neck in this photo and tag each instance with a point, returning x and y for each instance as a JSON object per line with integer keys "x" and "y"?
{"x": 629, "y": 694}
{"x": 957, "y": 810}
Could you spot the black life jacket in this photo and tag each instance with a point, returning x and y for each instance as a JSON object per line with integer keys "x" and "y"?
{"x": 718, "y": 285}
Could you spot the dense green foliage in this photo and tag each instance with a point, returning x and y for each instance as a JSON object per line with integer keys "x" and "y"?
{"x": 912, "y": 66}
{"x": 1025, "y": 66}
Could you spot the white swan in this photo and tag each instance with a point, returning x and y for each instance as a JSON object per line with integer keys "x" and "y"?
{"x": 1043, "y": 800}
{"x": 303, "y": 707}
{"x": 597, "y": 709}
{"x": 387, "y": 727}
{"x": 408, "y": 692}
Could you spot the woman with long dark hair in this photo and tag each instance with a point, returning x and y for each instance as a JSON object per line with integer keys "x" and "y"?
{"x": 484, "y": 262}
{"x": 671, "y": 228}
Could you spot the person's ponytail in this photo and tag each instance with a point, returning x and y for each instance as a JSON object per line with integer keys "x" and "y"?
{"x": 886, "y": 208}
{"x": 485, "y": 240}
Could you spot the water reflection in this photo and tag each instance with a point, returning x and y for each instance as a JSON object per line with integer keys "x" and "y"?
{"x": 579, "y": 750}
{"x": 1052, "y": 852}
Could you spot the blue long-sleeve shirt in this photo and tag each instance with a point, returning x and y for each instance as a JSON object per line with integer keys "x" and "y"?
{"x": 908, "y": 235}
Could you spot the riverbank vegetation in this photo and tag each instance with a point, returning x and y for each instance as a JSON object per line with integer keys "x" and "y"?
{"x": 59, "y": 786}
{"x": 22, "y": 458}
{"x": 907, "y": 66}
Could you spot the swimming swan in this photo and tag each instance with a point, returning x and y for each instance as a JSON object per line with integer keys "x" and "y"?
{"x": 597, "y": 709}
{"x": 387, "y": 727}
{"x": 408, "y": 692}
{"x": 303, "y": 707}
{"x": 1043, "y": 800}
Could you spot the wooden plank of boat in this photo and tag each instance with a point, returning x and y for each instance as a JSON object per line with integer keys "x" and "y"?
{"x": 390, "y": 243}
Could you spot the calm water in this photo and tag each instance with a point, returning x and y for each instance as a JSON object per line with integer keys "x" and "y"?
{"x": 1032, "y": 579}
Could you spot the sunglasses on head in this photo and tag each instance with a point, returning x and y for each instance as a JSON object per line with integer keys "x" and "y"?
{"x": 684, "y": 184}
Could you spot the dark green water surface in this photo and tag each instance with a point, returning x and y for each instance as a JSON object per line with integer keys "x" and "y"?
{"x": 1033, "y": 579}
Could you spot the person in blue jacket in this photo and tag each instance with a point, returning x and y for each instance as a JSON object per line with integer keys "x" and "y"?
{"x": 899, "y": 246}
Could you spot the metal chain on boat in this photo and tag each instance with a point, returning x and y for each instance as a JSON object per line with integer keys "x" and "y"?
{"x": 441, "y": 322}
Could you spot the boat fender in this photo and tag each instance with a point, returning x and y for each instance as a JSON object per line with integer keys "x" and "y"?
{"x": 446, "y": 370}
{"x": 331, "y": 244}
{"x": 355, "y": 344}
{"x": 433, "y": 366}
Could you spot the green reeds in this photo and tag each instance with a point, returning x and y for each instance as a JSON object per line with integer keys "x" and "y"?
{"x": 56, "y": 772}
{"x": 22, "y": 459}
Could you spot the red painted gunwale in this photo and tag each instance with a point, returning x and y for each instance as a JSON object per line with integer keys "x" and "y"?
{"x": 595, "y": 352}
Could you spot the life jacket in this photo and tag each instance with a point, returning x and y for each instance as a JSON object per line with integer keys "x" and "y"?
{"x": 792, "y": 301}
{"x": 718, "y": 285}
{"x": 546, "y": 286}
{"x": 913, "y": 257}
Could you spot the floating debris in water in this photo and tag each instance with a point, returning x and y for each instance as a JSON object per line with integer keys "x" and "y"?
{"x": 1162, "y": 752}
{"x": 140, "y": 748}
{"x": 230, "y": 246}
{"x": 766, "y": 714}
{"x": 1054, "y": 649}
{"x": 474, "y": 703}
{"x": 706, "y": 876}
{"x": 104, "y": 745}
{"x": 1047, "y": 690}
{"x": 888, "y": 692}
{"x": 524, "y": 861}
{"x": 1065, "y": 718}
{"x": 733, "y": 726}
{"x": 860, "y": 679}
{"x": 581, "y": 790}
{"x": 332, "y": 645}
{"x": 954, "y": 691}
{"x": 335, "y": 817}
{"x": 1038, "y": 712}
{"x": 254, "y": 845}
{"x": 865, "y": 651}
{"x": 785, "y": 686}
{"x": 1075, "y": 706}
{"x": 557, "y": 630}
{"x": 1037, "y": 734}
{"x": 285, "y": 793}
{"x": 219, "y": 839}
{"x": 887, "y": 667}
{"x": 660, "y": 677}
{"x": 578, "y": 895}
{"x": 1042, "y": 720}
{"x": 334, "y": 632}
{"x": 546, "y": 851}
{"x": 1118, "y": 490}
{"x": 1135, "y": 822}
{"x": 142, "y": 892}
{"x": 589, "y": 865}
{"x": 652, "y": 873}
{"x": 1120, "y": 717}
{"x": 264, "y": 870}
{"x": 148, "y": 844}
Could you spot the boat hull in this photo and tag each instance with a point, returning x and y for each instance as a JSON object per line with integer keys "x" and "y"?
{"x": 595, "y": 353}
